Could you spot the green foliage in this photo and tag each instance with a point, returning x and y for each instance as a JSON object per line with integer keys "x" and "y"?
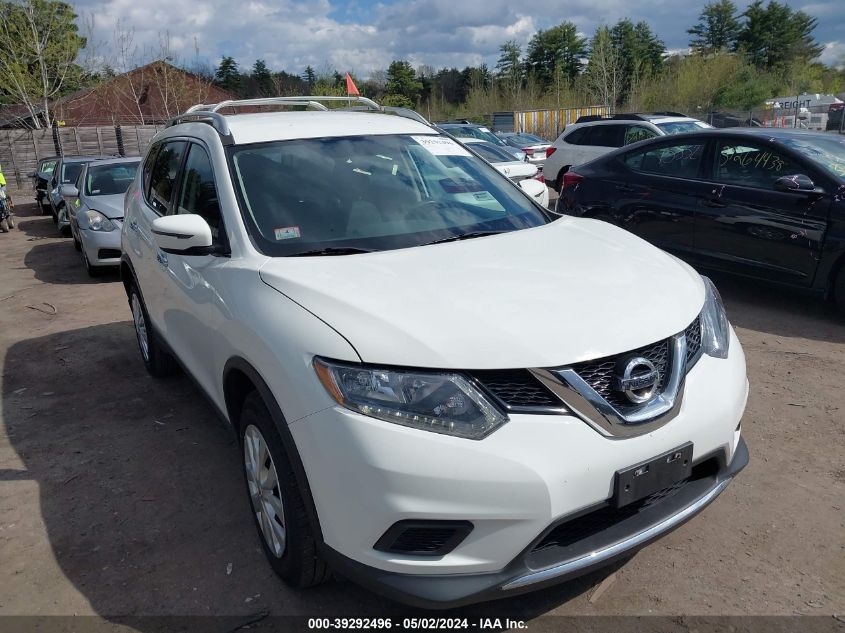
{"x": 403, "y": 87}
{"x": 509, "y": 68}
{"x": 556, "y": 54}
{"x": 775, "y": 36}
{"x": 262, "y": 78}
{"x": 717, "y": 29}
{"x": 309, "y": 77}
{"x": 228, "y": 76}
{"x": 640, "y": 52}
{"x": 39, "y": 43}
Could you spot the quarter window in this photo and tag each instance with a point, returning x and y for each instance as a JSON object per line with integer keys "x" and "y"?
{"x": 750, "y": 165}
{"x": 163, "y": 176}
{"x": 198, "y": 194}
{"x": 678, "y": 161}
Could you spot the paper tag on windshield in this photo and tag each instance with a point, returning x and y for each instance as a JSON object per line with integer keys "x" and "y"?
{"x": 441, "y": 146}
{"x": 286, "y": 232}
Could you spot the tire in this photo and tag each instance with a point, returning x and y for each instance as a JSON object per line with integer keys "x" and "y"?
{"x": 278, "y": 510}
{"x": 93, "y": 271}
{"x": 158, "y": 362}
{"x": 78, "y": 246}
{"x": 45, "y": 208}
{"x": 839, "y": 292}
{"x": 11, "y": 221}
{"x": 55, "y": 215}
{"x": 4, "y": 225}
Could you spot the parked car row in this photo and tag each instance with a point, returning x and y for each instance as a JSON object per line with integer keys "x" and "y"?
{"x": 757, "y": 202}
{"x": 85, "y": 196}
{"x": 405, "y": 419}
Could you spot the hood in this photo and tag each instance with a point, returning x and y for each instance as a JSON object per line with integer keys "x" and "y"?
{"x": 561, "y": 293}
{"x": 109, "y": 206}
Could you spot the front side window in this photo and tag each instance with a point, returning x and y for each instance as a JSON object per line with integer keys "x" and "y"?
{"x": 70, "y": 172}
{"x": 635, "y": 133}
{"x": 109, "y": 180}
{"x": 163, "y": 175}
{"x": 48, "y": 166}
{"x": 388, "y": 192}
{"x": 678, "y": 161}
{"x": 198, "y": 193}
{"x": 751, "y": 165}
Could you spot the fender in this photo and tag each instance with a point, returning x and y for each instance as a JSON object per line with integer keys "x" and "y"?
{"x": 242, "y": 365}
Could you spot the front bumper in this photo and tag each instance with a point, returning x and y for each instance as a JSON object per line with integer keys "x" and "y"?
{"x": 535, "y": 569}
{"x": 530, "y": 475}
{"x": 101, "y": 248}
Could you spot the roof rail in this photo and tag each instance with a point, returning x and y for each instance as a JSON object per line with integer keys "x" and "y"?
{"x": 210, "y": 112}
{"x": 667, "y": 113}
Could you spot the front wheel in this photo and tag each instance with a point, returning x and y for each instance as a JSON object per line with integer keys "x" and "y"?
{"x": 839, "y": 291}
{"x": 276, "y": 500}
{"x": 157, "y": 361}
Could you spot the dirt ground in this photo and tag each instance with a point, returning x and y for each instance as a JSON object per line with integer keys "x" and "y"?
{"x": 121, "y": 495}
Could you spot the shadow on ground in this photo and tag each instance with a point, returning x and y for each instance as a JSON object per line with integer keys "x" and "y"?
{"x": 52, "y": 257}
{"x": 779, "y": 311}
{"x": 142, "y": 495}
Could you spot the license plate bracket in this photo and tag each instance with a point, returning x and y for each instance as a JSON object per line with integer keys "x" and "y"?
{"x": 646, "y": 478}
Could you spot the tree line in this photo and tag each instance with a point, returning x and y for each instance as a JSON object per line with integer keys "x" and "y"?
{"x": 737, "y": 60}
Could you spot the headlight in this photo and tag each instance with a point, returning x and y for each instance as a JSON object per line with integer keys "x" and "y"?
{"x": 98, "y": 222}
{"x": 430, "y": 401}
{"x": 715, "y": 328}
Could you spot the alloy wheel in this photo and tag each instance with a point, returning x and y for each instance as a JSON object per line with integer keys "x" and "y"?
{"x": 140, "y": 326}
{"x": 264, "y": 490}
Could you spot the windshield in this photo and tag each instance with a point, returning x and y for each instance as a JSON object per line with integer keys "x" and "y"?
{"x": 492, "y": 153}
{"x": 523, "y": 140}
{"x": 386, "y": 192}
{"x": 70, "y": 172}
{"x": 679, "y": 127}
{"x": 108, "y": 180}
{"x": 471, "y": 131}
{"x": 829, "y": 152}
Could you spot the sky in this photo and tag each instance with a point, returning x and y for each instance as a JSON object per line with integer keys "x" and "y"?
{"x": 363, "y": 35}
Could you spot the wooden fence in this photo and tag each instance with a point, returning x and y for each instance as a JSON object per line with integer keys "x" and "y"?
{"x": 20, "y": 150}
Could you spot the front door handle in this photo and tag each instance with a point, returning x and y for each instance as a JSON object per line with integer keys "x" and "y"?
{"x": 162, "y": 259}
{"x": 133, "y": 225}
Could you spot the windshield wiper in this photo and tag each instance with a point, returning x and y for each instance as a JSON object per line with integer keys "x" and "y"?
{"x": 464, "y": 236}
{"x": 334, "y": 250}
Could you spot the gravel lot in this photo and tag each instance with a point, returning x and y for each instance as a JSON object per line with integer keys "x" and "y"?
{"x": 121, "y": 495}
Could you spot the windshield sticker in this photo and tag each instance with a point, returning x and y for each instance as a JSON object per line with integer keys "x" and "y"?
{"x": 286, "y": 233}
{"x": 441, "y": 146}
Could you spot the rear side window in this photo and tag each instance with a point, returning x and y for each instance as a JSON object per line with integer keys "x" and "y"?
{"x": 678, "y": 161}
{"x": 198, "y": 193}
{"x": 606, "y": 136}
{"x": 163, "y": 177}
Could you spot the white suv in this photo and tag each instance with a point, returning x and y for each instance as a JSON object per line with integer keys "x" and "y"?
{"x": 593, "y": 136}
{"x": 382, "y": 348}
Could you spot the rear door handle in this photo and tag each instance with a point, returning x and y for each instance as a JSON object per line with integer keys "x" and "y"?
{"x": 133, "y": 225}
{"x": 162, "y": 259}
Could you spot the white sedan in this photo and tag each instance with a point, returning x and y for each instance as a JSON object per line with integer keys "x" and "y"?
{"x": 521, "y": 172}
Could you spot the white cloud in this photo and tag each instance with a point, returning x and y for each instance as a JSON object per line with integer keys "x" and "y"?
{"x": 291, "y": 34}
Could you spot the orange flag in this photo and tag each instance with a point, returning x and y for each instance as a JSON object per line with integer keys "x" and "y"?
{"x": 351, "y": 88}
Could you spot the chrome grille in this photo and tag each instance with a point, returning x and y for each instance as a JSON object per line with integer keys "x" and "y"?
{"x": 693, "y": 334}
{"x": 599, "y": 373}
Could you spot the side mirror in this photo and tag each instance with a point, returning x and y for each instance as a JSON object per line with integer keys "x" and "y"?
{"x": 68, "y": 191}
{"x": 795, "y": 182}
{"x": 187, "y": 234}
